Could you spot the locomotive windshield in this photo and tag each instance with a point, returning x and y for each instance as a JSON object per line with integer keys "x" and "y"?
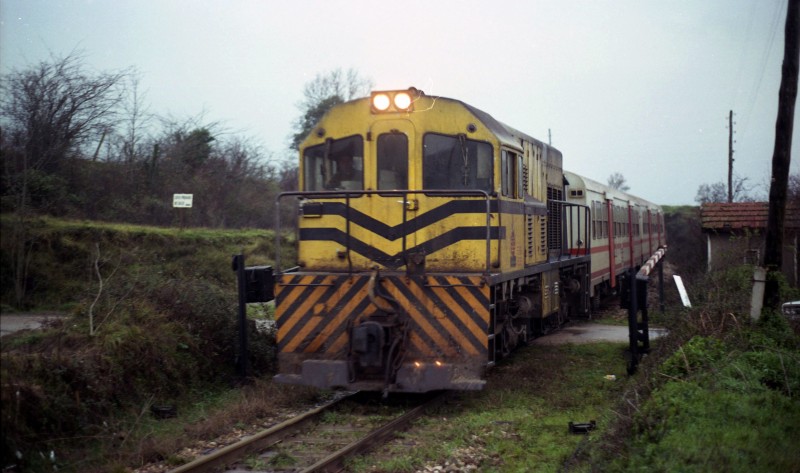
{"x": 335, "y": 164}
{"x": 454, "y": 162}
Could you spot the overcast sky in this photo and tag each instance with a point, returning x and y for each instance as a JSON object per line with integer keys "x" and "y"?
{"x": 640, "y": 87}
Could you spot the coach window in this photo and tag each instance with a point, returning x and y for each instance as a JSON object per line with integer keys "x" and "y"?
{"x": 455, "y": 162}
{"x": 335, "y": 164}
{"x": 597, "y": 219}
{"x": 392, "y": 161}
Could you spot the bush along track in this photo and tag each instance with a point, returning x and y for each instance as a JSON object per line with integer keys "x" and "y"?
{"x": 152, "y": 323}
{"x": 723, "y": 405}
{"x": 721, "y": 393}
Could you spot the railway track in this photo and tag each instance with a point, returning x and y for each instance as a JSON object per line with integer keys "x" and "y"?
{"x": 319, "y": 440}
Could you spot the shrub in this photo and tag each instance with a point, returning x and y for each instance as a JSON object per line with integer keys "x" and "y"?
{"x": 700, "y": 353}
{"x": 164, "y": 330}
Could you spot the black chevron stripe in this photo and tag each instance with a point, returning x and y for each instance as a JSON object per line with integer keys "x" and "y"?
{"x": 419, "y": 222}
{"x": 416, "y": 223}
{"x": 395, "y": 261}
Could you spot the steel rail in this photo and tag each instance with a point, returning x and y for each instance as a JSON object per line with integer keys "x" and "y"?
{"x": 335, "y": 461}
{"x": 235, "y": 451}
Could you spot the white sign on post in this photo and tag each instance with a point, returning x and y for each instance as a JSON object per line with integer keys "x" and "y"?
{"x": 183, "y": 201}
{"x": 682, "y": 291}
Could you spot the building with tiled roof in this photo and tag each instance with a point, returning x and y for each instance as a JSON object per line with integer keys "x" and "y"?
{"x": 735, "y": 235}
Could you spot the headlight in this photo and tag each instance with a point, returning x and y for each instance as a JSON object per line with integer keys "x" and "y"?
{"x": 402, "y": 100}
{"x": 381, "y": 102}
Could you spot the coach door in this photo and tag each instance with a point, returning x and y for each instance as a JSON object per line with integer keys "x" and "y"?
{"x": 393, "y": 210}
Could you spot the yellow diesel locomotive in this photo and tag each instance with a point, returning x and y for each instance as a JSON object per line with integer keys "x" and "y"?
{"x": 432, "y": 240}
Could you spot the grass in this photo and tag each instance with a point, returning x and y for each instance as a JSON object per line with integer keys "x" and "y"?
{"x": 719, "y": 393}
{"x": 520, "y": 421}
{"x": 701, "y": 427}
{"x": 72, "y": 247}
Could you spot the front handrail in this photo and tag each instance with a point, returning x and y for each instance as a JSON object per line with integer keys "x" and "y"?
{"x": 348, "y": 194}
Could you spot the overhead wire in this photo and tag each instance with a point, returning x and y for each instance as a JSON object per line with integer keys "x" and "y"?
{"x": 780, "y": 8}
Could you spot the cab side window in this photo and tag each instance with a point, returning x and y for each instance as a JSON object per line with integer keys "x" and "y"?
{"x": 511, "y": 172}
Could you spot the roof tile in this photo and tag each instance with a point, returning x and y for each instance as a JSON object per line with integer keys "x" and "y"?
{"x": 739, "y": 215}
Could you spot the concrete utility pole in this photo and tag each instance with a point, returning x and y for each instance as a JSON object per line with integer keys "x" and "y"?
{"x": 781, "y": 157}
{"x": 730, "y": 156}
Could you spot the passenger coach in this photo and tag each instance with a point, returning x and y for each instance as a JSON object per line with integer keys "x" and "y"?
{"x": 625, "y": 231}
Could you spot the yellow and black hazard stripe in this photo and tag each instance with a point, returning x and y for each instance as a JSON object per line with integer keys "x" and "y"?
{"x": 397, "y": 260}
{"x": 391, "y": 233}
{"x": 447, "y": 315}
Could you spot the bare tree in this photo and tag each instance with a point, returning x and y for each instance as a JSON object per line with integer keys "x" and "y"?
{"x": 322, "y": 93}
{"x": 617, "y": 181}
{"x": 53, "y": 109}
{"x": 711, "y": 193}
{"x": 49, "y": 112}
{"x": 718, "y": 192}
{"x": 135, "y": 122}
{"x": 793, "y": 190}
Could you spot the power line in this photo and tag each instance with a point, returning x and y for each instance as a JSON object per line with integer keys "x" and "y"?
{"x": 774, "y": 27}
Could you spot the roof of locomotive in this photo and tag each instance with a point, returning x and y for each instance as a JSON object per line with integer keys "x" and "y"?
{"x": 507, "y": 135}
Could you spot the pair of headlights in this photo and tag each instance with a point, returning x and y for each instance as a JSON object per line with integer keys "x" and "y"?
{"x": 391, "y": 101}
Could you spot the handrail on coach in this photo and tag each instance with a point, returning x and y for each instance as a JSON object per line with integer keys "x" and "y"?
{"x": 574, "y": 222}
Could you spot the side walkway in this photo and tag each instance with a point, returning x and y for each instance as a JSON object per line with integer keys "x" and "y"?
{"x": 10, "y": 323}
{"x": 590, "y": 332}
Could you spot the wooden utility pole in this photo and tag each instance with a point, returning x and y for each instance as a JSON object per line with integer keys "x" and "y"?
{"x": 730, "y": 156}
{"x": 781, "y": 157}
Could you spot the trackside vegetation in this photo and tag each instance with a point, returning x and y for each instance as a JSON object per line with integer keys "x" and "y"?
{"x": 719, "y": 393}
{"x": 150, "y": 319}
{"x": 724, "y": 391}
